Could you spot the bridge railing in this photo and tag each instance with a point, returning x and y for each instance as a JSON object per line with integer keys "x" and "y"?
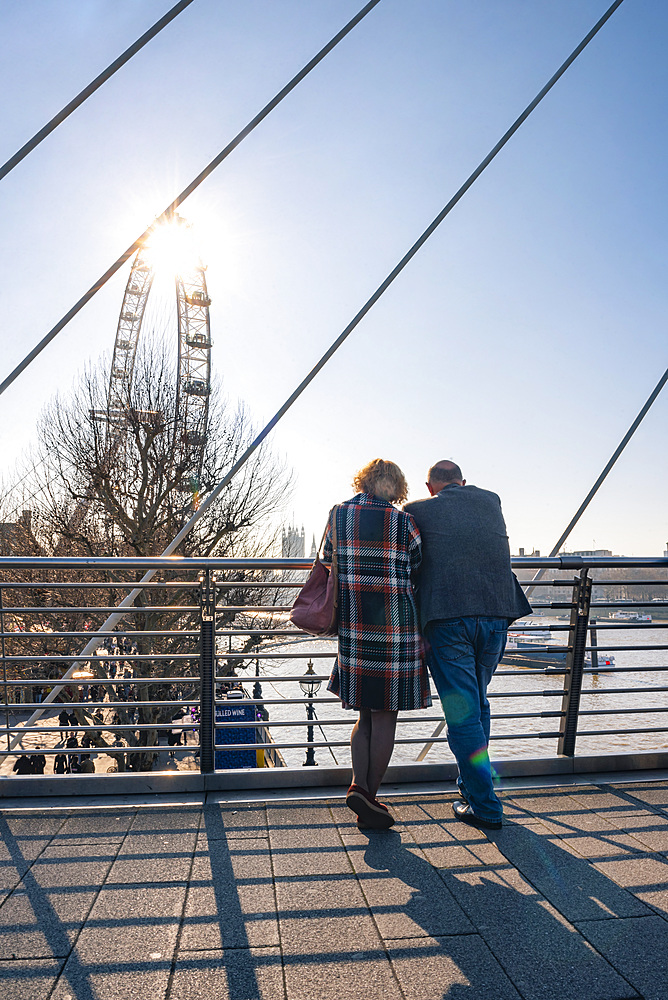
{"x": 204, "y": 679}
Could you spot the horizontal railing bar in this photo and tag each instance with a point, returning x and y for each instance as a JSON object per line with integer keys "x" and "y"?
{"x": 118, "y": 727}
{"x": 624, "y": 670}
{"x": 623, "y": 711}
{"x": 133, "y": 658}
{"x": 104, "y": 681}
{"x": 530, "y": 672}
{"x": 86, "y": 634}
{"x": 346, "y": 743}
{"x": 176, "y": 563}
{"x": 634, "y": 690}
{"x": 98, "y": 585}
{"x": 153, "y": 585}
{"x": 623, "y": 649}
{"x": 87, "y": 705}
{"x": 252, "y": 655}
{"x": 621, "y": 626}
{"x": 96, "y": 752}
{"x": 290, "y": 723}
{"x": 620, "y": 732}
{"x": 96, "y": 609}
{"x": 172, "y": 564}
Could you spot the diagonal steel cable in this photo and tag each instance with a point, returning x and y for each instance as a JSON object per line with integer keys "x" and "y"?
{"x": 94, "y": 85}
{"x": 127, "y": 602}
{"x": 603, "y": 476}
{"x": 168, "y": 212}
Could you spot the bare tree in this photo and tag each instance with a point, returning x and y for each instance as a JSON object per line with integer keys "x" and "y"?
{"x": 123, "y": 485}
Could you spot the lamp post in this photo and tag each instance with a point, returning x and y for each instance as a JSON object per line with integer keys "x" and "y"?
{"x": 310, "y": 689}
{"x": 260, "y": 711}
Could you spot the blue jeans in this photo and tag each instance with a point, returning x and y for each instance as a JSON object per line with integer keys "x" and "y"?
{"x": 463, "y": 655}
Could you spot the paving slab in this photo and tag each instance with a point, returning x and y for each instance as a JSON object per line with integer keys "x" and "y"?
{"x": 433, "y": 826}
{"x": 573, "y": 886}
{"x": 355, "y": 975}
{"x": 126, "y": 948}
{"x": 637, "y": 948}
{"x": 162, "y": 859}
{"x": 162, "y": 821}
{"x": 450, "y": 968}
{"x": 304, "y": 838}
{"x": 45, "y": 913}
{"x": 30, "y": 979}
{"x": 231, "y": 901}
{"x": 402, "y": 889}
{"x": 324, "y": 917}
{"x": 636, "y": 874}
{"x": 105, "y": 827}
{"x": 221, "y": 821}
{"x": 112, "y": 979}
{"x": 255, "y": 973}
{"x": 650, "y": 793}
{"x": 542, "y": 953}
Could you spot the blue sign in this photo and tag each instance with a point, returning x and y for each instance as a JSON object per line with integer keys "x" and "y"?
{"x": 229, "y": 736}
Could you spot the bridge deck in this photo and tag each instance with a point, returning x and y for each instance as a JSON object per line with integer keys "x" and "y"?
{"x": 287, "y": 899}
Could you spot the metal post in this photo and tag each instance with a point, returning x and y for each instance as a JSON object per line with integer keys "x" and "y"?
{"x": 206, "y": 672}
{"x": 4, "y": 665}
{"x": 310, "y": 751}
{"x": 577, "y": 640}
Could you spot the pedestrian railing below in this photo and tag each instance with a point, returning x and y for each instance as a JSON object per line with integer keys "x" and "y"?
{"x": 204, "y": 675}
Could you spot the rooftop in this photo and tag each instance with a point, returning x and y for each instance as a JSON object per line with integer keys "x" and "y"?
{"x": 255, "y": 899}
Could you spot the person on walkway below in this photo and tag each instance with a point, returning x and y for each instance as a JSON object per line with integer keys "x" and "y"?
{"x": 380, "y": 667}
{"x": 468, "y": 596}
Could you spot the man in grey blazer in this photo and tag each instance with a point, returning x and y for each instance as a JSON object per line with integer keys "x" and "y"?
{"x": 468, "y": 596}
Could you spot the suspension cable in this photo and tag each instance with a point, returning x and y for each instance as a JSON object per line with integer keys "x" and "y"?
{"x": 128, "y": 601}
{"x": 210, "y": 167}
{"x": 599, "y": 482}
{"x": 105, "y": 75}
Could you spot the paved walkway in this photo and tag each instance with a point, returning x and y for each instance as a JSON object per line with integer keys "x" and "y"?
{"x": 263, "y": 901}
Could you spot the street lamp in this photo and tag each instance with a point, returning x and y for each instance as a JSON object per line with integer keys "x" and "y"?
{"x": 310, "y": 688}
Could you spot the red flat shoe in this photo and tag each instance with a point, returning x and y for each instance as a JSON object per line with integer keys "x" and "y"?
{"x": 368, "y": 809}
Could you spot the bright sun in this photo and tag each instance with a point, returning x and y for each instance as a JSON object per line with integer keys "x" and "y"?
{"x": 171, "y": 247}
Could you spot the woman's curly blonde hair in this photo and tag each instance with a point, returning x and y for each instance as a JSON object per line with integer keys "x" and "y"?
{"x": 382, "y": 479}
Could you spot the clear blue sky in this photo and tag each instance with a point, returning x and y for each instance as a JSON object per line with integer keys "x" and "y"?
{"x": 522, "y": 340}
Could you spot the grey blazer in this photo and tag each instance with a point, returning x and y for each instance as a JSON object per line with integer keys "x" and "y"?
{"x": 465, "y": 567}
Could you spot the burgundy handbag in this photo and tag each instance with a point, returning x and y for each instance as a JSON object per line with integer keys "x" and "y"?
{"x": 316, "y": 609}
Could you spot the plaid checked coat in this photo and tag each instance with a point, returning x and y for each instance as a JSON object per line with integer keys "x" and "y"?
{"x": 380, "y": 662}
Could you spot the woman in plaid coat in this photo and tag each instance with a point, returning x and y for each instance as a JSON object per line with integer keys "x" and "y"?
{"x": 380, "y": 667}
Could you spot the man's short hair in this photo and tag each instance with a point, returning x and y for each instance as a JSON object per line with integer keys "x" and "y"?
{"x": 444, "y": 472}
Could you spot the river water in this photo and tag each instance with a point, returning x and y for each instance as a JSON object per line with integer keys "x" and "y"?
{"x": 540, "y": 693}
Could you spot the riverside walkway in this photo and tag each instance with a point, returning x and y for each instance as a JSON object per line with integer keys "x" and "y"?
{"x": 284, "y": 899}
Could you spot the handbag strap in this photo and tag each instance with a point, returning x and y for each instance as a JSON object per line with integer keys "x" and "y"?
{"x": 317, "y": 556}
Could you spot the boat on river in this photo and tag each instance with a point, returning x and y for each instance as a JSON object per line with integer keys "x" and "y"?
{"x": 539, "y": 649}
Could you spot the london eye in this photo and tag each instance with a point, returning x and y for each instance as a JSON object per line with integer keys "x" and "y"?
{"x": 170, "y": 245}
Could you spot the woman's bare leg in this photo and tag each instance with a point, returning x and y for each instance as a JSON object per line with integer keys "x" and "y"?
{"x": 381, "y": 745}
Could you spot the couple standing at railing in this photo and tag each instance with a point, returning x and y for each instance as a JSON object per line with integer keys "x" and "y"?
{"x": 449, "y": 556}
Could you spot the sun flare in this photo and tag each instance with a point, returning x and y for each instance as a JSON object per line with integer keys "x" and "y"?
{"x": 171, "y": 248}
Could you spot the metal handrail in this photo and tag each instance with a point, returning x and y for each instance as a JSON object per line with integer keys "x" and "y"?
{"x": 239, "y": 639}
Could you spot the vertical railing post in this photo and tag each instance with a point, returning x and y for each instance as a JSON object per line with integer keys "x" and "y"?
{"x": 575, "y": 658}
{"x": 4, "y": 665}
{"x": 207, "y": 661}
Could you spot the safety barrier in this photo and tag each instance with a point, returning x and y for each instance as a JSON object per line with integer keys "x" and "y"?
{"x": 177, "y": 683}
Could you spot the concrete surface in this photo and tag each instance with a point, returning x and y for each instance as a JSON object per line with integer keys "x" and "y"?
{"x": 287, "y": 900}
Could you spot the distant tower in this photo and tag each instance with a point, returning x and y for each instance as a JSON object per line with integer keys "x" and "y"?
{"x": 665, "y": 554}
{"x": 314, "y": 550}
{"x": 293, "y": 542}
